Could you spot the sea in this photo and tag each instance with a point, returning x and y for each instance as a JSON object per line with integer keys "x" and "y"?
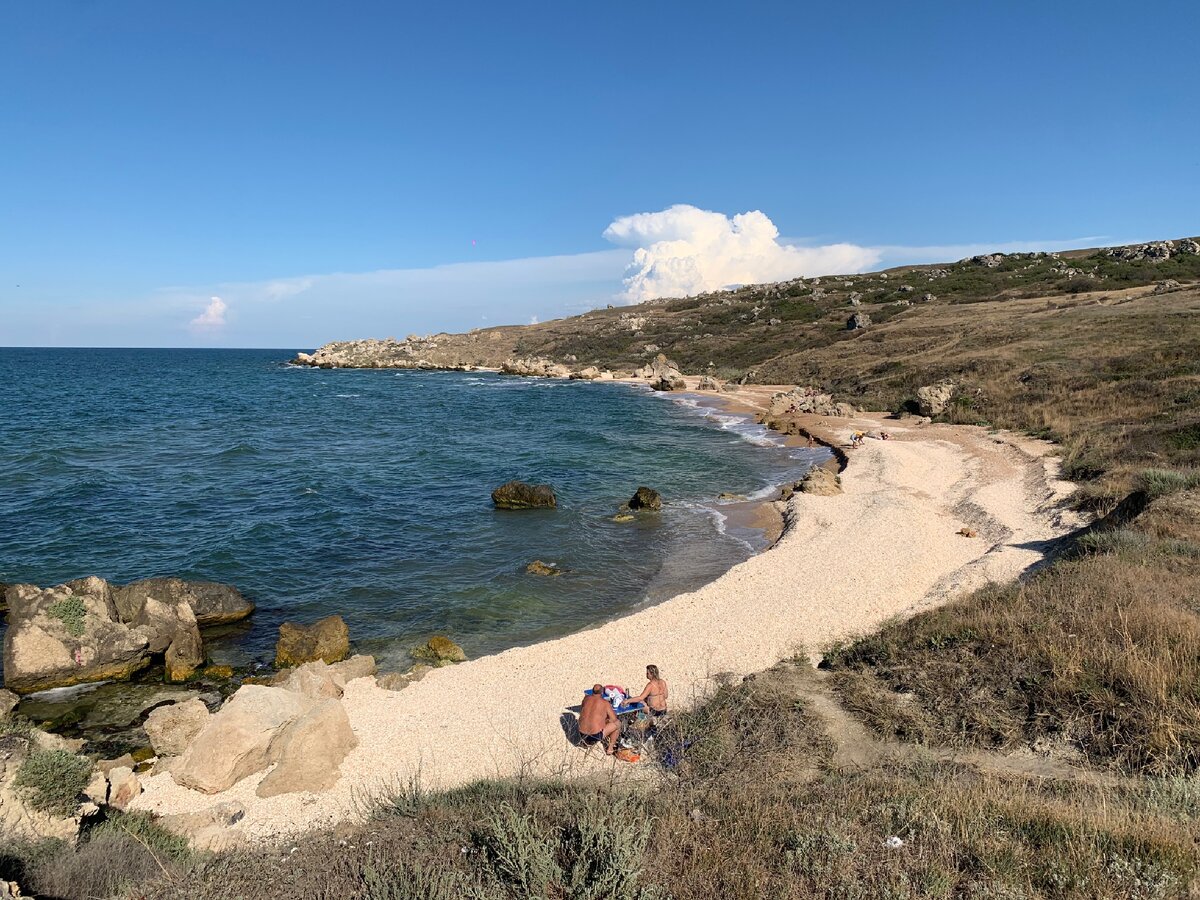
{"x": 366, "y": 493}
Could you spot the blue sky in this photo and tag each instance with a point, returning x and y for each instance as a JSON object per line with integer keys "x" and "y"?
{"x": 337, "y": 170}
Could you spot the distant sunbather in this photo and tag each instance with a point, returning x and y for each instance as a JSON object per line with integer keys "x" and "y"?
{"x": 655, "y": 693}
{"x": 598, "y": 720}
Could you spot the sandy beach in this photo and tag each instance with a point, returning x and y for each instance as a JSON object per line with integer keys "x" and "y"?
{"x": 888, "y": 546}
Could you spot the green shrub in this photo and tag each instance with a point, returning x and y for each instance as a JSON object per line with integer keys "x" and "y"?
{"x": 72, "y": 612}
{"x": 605, "y": 843}
{"x": 1161, "y": 482}
{"x": 52, "y": 780}
{"x": 520, "y": 855}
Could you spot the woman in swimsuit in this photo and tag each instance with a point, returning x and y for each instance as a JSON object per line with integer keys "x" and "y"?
{"x": 654, "y": 695}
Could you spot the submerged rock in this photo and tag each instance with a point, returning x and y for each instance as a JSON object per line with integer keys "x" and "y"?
{"x": 440, "y": 650}
{"x": 327, "y": 639}
{"x": 537, "y": 567}
{"x": 646, "y": 498}
{"x": 520, "y": 495}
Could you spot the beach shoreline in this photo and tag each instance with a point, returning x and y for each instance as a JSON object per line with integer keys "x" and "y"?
{"x": 886, "y": 547}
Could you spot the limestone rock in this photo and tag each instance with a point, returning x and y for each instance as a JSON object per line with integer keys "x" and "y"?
{"x": 1165, "y": 287}
{"x": 67, "y": 635}
{"x": 590, "y": 373}
{"x": 310, "y": 750}
{"x": 646, "y": 498}
{"x": 988, "y": 260}
{"x": 207, "y": 829}
{"x": 664, "y": 375}
{"x": 327, "y": 639}
{"x": 806, "y": 400}
{"x": 932, "y": 399}
{"x": 708, "y": 383}
{"x": 313, "y": 679}
{"x": 537, "y": 567}
{"x": 171, "y": 728}
{"x": 8, "y": 702}
{"x": 17, "y": 819}
{"x": 97, "y": 788}
{"x": 858, "y": 321}
{"x": 123, "y": 786}
{"x": 212, "y": 603}
{"x": 397, "y": 681}
{"x": 536, "y": 367}
{"x": 237, "y": 741}
{"x": 820, "y": 481}
{"x": 358, "y": 666}
{"x": 440, "y": 650}
{"x": 519, "y": 495}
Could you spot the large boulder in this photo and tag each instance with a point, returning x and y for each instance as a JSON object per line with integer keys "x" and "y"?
{"x": 858, "y": 321}
{"x": 123, "y": 786}
{"x": 313, "y": 679}
{"x": 520, "y": 495}
{"x": 589, "y": 373}
{"x": 708, "y": 383}
{"x": 327, "y": 639}
{"x": 170, "y": 629}
{"x": 237, "y": 741}
{"x": 171, "y": 728}
{"x": 310, "y": 751}
{"x": 212, "y": 603}
{"x": 646, "y": 498}
{"x": 68, "y": 634}
{"x": 807, "y": 400}
{"x": 932, "y": 399}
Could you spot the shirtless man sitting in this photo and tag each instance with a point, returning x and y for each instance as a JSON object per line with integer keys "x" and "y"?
{"x": 598, "y": 721}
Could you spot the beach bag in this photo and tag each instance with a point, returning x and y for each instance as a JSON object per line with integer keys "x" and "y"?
{"x": 627, "y": 755}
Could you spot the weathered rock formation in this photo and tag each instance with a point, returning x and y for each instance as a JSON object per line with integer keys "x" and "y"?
{"x": 535, "y": 366}
{"x": 212, "y": 603}
{"x": 806, "y": 400}
{"x": 327, "y": 639}
{"x": 309, "y": 751}
{"x": 858, "y": 321}
{"x": 207, "y": 829}
{"x": 19, "y": 819}
{"x": 520, "y": 495}
{"x": 440, "y": 650}
{"x": 663, "y": 375}
{"x": 708, "y": 383}
{"x": 8, "y": 702}
{"x": 646, "y": 498}
{"x": 537, "y": 567}
{"x": 171, "y": 728}
{"x": 820, "y": 481}
{"x": 932, "y": 399}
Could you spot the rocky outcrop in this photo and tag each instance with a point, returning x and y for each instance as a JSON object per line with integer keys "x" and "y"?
{"x": 398, "y": 681}
{"x": 438, "y": 351}
{"x": 171, "y": 728}
{"x": 170, "y": 629}
{"x": 932, "y": 399}
{"x": 536, "y": 367}
{"x": 708, "y": 383}
{"x": 858, "y": 321}
{"x": 327, "y": 639}
{"x": 67, "y": 635}
{"x": 520, "y": 495}
{"x": 212, "y": 603}
{"x": 1165, "y": 287}
{"x": 663, "y": 375}
{"x": 237, "y": 740}
{"x": 646, "y": 498}
{"x": 806, "y": 400}
{"x": 8, "y": 702}
{"x": 309, "y": 751}
{"x": 440, "y": 650}
{"x": 987, "y": 260}
{"x": 821, "y": 482}
{"x": 537, "y": 567}
{"x": 1155, "y": 251}
{"x": 590, "y": 373}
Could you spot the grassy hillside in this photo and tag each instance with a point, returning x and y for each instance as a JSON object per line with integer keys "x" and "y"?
{"x": 1036, "y": 740}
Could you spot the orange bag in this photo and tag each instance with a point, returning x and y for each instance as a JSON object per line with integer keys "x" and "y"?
{"x": 627, "y": 755}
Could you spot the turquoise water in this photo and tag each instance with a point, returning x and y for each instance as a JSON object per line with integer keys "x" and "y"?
{"x": 366, "y": 493}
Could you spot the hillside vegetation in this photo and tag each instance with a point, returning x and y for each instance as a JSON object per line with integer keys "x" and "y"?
{"x": 1028, "y": 741}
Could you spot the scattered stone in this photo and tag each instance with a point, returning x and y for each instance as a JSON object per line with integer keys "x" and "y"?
{"x": 725, "y": 495}
{"x": 311, "y": 751}
{"x": 211, "y": 603}
{"x": 357, "y": 666}
{"x": 906, "y": 289}
{"x": 928, "y": 298}
{"x": 172, "y": 728}
{"x": 107, "y": 765}
{"x": 967, "y": 532}
{"x": 520, "y": 495}
{"x": 1165, "y": 287}
{"x": 207, "y": 829}
{"x": 855, "y": 298}
{"x": 313, "y": 679}
{"x": 537, "y": 567}
{"x": 440, "y": 650}
{"x": 623, "y": 517}
{"x": 327, "y": 639}
{"x": 97, "y": 788}
{"x": 932, "y": 399}
{"x": 858, "y": 321}
{"x": 396, "y": 681}
{"x": 8, "y": 702}
{"x": 123, "y": 786}
{"x": 821, "y": 482}
{"x": 646, "y": 498}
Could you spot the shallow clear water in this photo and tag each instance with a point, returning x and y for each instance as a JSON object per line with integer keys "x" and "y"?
{"x": 365, "y": 493}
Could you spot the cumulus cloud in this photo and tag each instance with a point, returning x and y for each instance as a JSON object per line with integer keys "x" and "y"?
{"x": 685, "y": 250}
{"x": 213, "y": 315}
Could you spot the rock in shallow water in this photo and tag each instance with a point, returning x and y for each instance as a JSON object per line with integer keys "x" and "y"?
{"x": 212, "y": 603}
{"x": 440, "y": 650}
{"x": 537, "y": 567}
{"x": 520, "y": 495}
{"x": 327, "y": 640}
{"x": 646, "y": 498}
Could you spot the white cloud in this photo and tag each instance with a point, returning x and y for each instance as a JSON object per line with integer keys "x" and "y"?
{"x": 213, "y": 315}
{"x": 685, "y": 250}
